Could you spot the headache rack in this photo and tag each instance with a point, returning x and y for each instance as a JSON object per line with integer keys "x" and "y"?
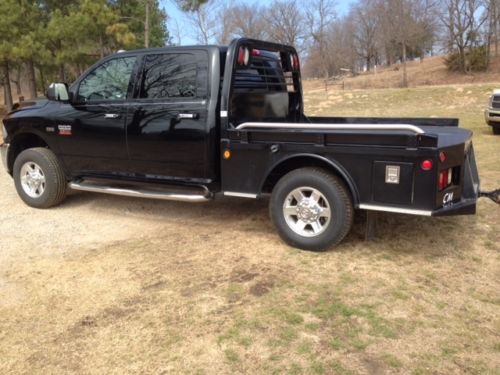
{"x": 265, "y": 73}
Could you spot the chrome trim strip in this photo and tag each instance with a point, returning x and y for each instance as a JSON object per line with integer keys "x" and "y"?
{"x": 408, "y": 211}
{"x": 240, "y": 195}
{"x": 285, "y": 125}
{"x": 140, "y": 193}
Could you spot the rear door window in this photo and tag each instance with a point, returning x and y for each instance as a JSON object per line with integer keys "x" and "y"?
{"x": 169, "y": 75}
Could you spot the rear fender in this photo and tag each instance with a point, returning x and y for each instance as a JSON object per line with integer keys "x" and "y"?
{"x": 301, "y": 160}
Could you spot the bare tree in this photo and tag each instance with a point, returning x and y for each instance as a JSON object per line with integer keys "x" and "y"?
{"x": 366, "y": 21}
{"x": 463, "y": 20}
{"x": 408, "y": 27}
{"x": 493, "y": 11}
{"x": 319, "y": 15}
{"x": 246, "y": 20}
{"x": 204, "y": 20}
{"x": 343, "y": 55}
{"x": 285, "y": 23}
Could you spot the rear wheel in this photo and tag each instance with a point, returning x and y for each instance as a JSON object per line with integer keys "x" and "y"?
{"x": 39, "y": 178}
{"x": 496, "y": 129}
{"x": 311, "y": 209}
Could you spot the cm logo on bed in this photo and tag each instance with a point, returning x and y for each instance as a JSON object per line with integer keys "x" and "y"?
{"x": 448, "y": 198}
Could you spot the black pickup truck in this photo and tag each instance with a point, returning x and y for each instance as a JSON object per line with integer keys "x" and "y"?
{"x": 185, "y": 123}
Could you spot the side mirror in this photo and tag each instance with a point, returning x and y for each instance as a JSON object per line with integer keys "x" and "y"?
{"x": 58, "y": 91}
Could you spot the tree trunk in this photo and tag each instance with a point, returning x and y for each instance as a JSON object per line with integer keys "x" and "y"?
{"x": 6, "y": 87}
{"x": 495, "y": 25}
{"x": 31, "y": 78}
{"x": 146, "y": 26}
{"x": 326, "y": 79}
{"x": 42, "y": 78}
{"x": 101, "y": 44}
{"x": 62, "y": 73}
{"x": 461, "y": 51}
{"x": 405, "y": 75}
{"x": 17, "y": 82}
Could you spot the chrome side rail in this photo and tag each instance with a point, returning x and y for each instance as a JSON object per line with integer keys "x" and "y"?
{"x": 141, "y": 193}
{"x": 286, "y": 125}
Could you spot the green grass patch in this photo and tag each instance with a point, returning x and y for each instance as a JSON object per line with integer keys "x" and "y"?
{"x": 287, "y": 316}
{"x": 295, "y": 369}
{"x": 331, "y": 308}
{"x": 317, "y": 368}
{"x": 305, "y": 347}
{"x": 392, "y": 361}
{"x": 339, "y": 369}
{"x": 286, "y": 335}
{"x": 336, "y": 343}
{"x": 231, "y": 356}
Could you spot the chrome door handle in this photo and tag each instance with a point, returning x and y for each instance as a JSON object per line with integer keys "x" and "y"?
{"x": 111, "y": 115}
{"x": 182, "y": 116}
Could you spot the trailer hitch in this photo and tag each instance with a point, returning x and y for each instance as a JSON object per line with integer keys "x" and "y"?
{"x": 494, "y": 195}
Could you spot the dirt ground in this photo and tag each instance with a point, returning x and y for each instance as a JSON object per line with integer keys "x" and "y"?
{"x": 105, "y": 284}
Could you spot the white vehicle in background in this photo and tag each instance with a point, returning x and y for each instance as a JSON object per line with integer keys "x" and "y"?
{"x": 492, "y": 113}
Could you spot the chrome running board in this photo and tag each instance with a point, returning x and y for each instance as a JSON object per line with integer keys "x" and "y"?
{"x": 154, "y": 193}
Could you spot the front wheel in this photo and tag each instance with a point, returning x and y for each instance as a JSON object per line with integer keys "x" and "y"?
{"x": 311, "y": 209}
{"x": 39, "y": 178}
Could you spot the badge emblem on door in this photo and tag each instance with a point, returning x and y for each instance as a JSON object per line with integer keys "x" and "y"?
{"x": 64, "y": 130}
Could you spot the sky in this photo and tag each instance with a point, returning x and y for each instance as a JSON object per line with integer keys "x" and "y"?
{"x": 177, "y": 20}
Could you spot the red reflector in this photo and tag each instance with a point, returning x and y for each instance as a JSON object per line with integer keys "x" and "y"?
{"x": 443, "y": 179}
{"x": 255, "y": 52}
{"x": 426, "y": 165}
{"x": 241, "y": 56}
{"x": 442, "y": 156}
{"x": 296, "y": 65}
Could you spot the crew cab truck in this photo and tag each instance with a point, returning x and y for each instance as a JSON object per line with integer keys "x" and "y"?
{"x": 186, "y": 123}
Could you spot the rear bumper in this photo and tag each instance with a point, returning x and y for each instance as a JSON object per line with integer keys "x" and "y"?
{"x": 4, "y": 152}
{"x": 470, "y": 191}
{"x": 465, "y": 205}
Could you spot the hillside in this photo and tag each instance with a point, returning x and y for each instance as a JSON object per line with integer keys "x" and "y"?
{"x": 430, "y": 71}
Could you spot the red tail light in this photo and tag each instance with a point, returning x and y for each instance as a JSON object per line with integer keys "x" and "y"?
{"x": 255, "y": 52}
{"x": 243, "y": 56}
{"x": 296, "y": 64}
{"x": 442, "y": 156}
{"x": 445, "y": 178}
{"x": 426, "y": 165}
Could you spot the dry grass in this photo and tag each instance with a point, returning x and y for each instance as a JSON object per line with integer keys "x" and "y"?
{"x": 431, "y": 71}
{"x": 163, "y": 287}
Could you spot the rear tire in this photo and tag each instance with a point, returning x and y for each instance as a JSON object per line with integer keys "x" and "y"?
{"x": 39, "y": 178}
{"x": 496, "y": 129}
{"x": 311, "y": 209}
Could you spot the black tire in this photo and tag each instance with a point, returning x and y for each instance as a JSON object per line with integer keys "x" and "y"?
{"x": 496, "y": 129}
{"x": 335, "y": 196}
{"x": 54, "y": 187}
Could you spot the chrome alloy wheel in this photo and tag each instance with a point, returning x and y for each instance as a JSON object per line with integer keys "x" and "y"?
{"x": 32, "y": 179}
{"x": 307, "y": 211}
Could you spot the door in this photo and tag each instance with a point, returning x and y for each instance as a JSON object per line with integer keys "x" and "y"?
{"x": 167, "y": 132}
{"x": 93, "y": 137}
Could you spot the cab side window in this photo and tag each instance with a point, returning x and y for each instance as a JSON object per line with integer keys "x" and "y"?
{"x": 109, "y": 81}
{"x": 169, "y": 75}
